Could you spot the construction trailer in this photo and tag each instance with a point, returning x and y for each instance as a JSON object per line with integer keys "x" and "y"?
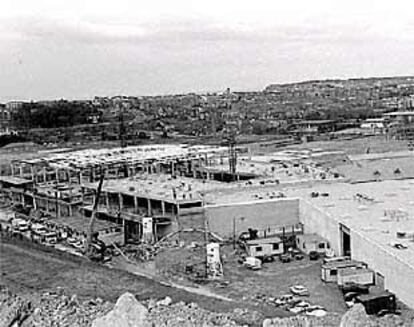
{"x": 375, "y": 302}
{"x": 312, "y": 242}
{"x": 272, "y": 246}
{"x": 362, "y": 276}
{"x": 329, "y": 270}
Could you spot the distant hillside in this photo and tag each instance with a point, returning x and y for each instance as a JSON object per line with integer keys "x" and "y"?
{"x": 352, "y": 82}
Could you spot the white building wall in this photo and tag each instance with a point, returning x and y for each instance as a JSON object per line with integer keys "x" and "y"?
{"x": 258, "y": 215}
{"x": 398, "y": 275}
{"x": 316, "y": 221}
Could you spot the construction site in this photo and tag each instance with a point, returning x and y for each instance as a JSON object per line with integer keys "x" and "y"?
{"x": 272, "y": 233}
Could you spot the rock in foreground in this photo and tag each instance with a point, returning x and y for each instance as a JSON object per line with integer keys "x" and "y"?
{"x": 128, "y": 312}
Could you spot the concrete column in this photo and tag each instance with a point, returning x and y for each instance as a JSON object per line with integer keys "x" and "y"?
{"x": 70, "y": 210}
{"x": 57, "y": 175}
{"x": 12, "y": 169}
{"x": 149, "y": 208}
{"x": 58, "y": 211}
{"x": 107, "y": 199}
{"x": 32, "y": 174}
{"x": 21, "y": 171}
{"x": 163, "y": 207}
{"x": 44, "y": 175}
{"x": 135, "y": 204}
{"x": 34, "y": 203}
{"x": 121, "y": 202}
{"x": 68, "y": 173}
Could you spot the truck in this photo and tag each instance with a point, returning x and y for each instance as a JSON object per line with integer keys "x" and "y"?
{"x": 20, "y": 225}
{"x": 49, "y": 238}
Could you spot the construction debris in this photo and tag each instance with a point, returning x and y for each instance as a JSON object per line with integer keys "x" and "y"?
{"x": 187, "y": 315}
{"x": 61, "y": 310}
{"x": 298, "y": 321}
{"x": 13, "y": 309}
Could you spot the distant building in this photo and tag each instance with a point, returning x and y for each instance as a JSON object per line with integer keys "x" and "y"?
{"x": 14, "y": 105}
{"x": 400, "y": 117}
{"x": 315, "y": 126}
{"x": 375, "y": 125}
{"x": 5, "y": 119}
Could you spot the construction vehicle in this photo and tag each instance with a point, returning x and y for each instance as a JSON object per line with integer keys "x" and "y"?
{"x": 94, "y": 248}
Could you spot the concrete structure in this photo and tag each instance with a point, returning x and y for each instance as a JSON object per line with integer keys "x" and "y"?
{"x": 371, "y": 222}
{"x": 269, "y": 217}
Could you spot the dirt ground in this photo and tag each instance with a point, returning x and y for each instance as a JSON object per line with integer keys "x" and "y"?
{"x": 375, "y": 144}
{"x": 28, "y": 271}
{"x": 273, "y": 280}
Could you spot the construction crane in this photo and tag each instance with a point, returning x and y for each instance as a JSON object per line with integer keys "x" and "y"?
{"x": 94, "y": 249}
{"x": 230, "y": 140}
{"x": 122, "y": 129}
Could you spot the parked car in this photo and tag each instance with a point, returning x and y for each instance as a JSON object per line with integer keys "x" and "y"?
{"x": 299, "y": 290}
{"x": 299, "y": 256}
{"x": 285, "y": 258}
{"x": 253, "y": 263}
{"x": 268, "y": 258}
{"x": 313, "y": 255}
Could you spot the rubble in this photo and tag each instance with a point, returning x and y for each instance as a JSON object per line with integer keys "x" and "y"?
{"x": 357, "y": 317}
{"x": 297, "y": 321}
{"x": 13, "y": 309}
{"x": 57, "y": 309}
{"x": 188, "y": 315}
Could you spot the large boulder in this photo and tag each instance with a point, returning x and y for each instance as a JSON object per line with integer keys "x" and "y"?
{"x": 128, "y": 312}
{"x": 356, "y": 317}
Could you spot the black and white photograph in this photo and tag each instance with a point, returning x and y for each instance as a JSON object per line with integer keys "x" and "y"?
{"x": 189, "y": 163}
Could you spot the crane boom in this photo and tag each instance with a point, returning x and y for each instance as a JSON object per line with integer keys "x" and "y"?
{"x": 89, "y": 239}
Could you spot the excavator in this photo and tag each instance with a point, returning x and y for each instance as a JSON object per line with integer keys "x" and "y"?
{"x": 95, "y": 248}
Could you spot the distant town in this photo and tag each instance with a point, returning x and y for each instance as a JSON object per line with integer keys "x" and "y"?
{"x": 307, "y": 109}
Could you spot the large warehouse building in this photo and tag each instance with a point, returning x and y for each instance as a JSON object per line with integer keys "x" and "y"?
{"x": 371, "y": 222}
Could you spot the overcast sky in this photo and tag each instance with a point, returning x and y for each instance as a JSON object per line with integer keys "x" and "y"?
{"x": 81, "y": 48}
